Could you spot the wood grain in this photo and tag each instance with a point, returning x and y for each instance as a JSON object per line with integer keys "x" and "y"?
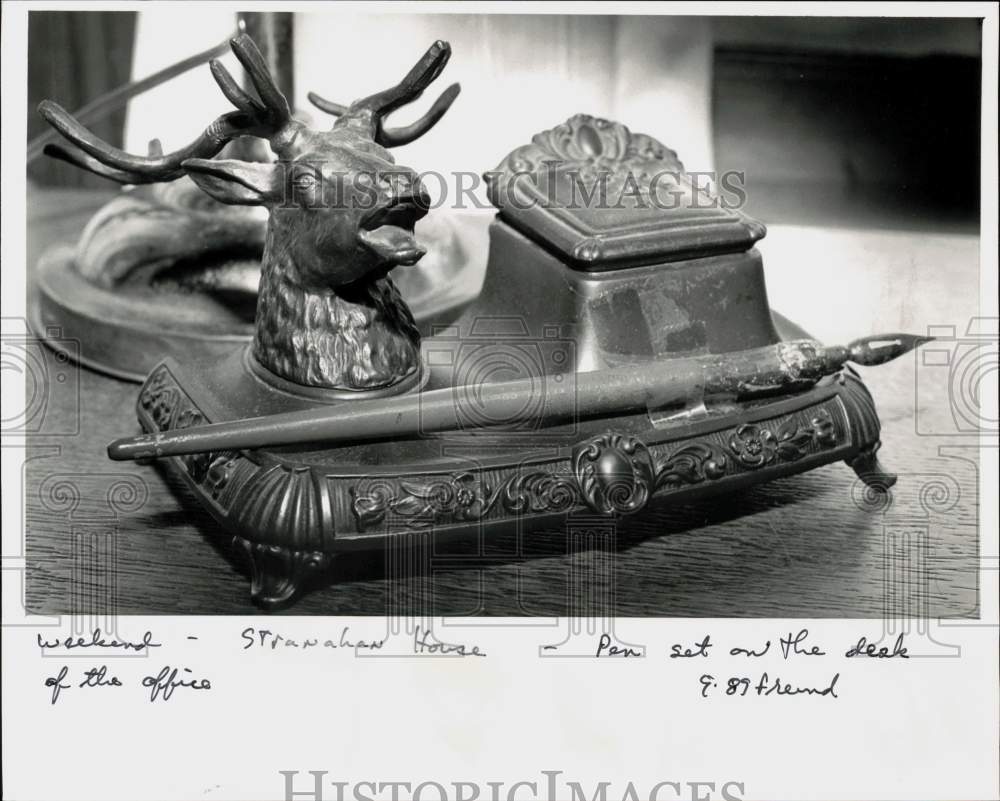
{"x": 125, "y": 536}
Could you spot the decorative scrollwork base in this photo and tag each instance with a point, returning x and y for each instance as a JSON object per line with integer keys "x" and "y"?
{"x": 291, "y": 514}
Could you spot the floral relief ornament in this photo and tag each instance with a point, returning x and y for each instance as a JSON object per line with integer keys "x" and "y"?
{"x": 595, "y": 147}
{"x": 755, "y": 446}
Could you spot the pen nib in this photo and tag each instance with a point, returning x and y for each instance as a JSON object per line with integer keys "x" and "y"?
{"x": 874, "y": 350}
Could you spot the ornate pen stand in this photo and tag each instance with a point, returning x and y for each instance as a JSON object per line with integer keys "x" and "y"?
{"x": 566, "y": 290}
{"x": 575, "y": 284}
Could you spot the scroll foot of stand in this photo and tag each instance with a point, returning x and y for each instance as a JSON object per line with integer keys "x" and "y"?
{"x": 868, "y": 468}
{"x": 279, "y": 574}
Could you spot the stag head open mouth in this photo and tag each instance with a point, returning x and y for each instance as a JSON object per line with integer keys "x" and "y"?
{"x": 388, "y": 229}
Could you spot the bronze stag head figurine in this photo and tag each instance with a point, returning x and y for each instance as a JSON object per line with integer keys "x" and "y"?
{"x": 341, "y": 216}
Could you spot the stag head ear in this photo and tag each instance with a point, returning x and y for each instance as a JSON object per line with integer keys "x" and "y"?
{"x": 244, "y": 183}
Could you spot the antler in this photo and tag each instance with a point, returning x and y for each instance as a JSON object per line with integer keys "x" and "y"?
{"x": 368, "y": 112}
{"x": 267, "y": 118}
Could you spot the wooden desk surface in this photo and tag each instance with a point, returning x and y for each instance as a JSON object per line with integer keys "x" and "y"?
{"x": 104, "y": 534}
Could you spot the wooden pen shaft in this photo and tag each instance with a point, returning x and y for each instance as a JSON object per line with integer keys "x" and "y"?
{"x": 551, "y": 398}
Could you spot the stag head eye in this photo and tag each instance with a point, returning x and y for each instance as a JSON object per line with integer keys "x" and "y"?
{"x": 305, "y": 181}
{"x": 305, "y": 186}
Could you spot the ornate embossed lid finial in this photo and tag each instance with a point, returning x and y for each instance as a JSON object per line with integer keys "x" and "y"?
{"x": 603, "y": 197}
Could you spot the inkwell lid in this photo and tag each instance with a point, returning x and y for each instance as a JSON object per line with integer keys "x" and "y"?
{"x": 601, "y": 197}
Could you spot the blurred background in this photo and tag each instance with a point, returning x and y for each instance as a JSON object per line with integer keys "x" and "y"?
{"x": 835, "y": 121}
